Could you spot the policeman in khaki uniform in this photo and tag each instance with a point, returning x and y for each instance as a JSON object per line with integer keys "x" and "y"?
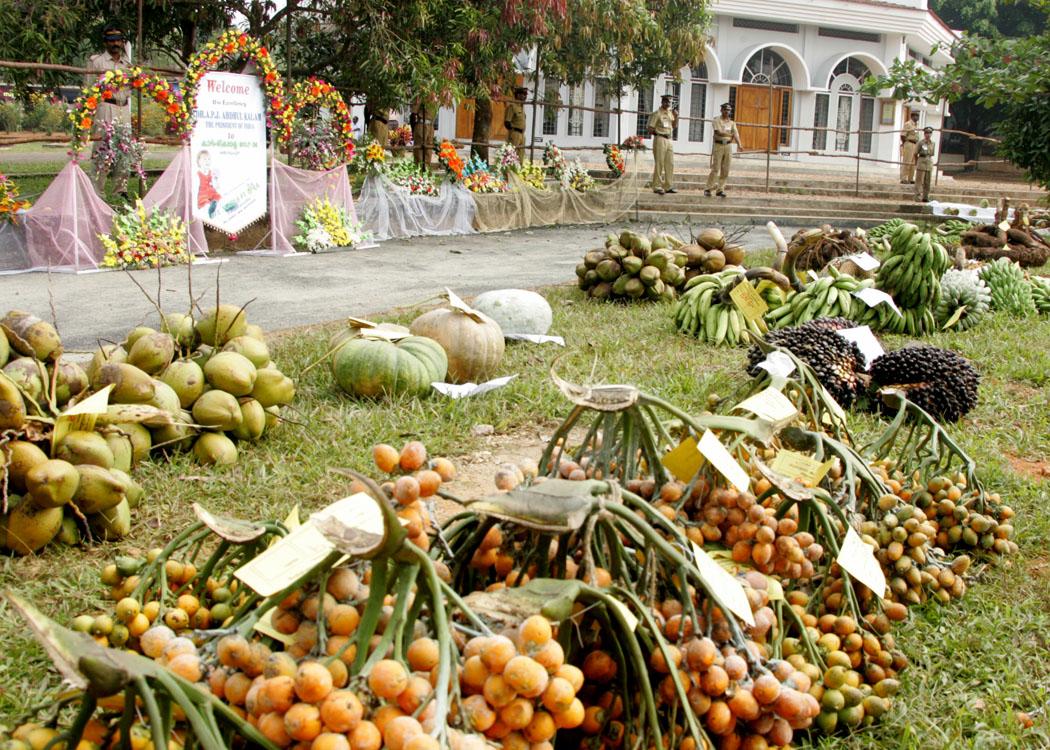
{"x": 378, "y": 127}
{"x": 117, "y": 56}
{"x": 661, "y": 126}
{"x": 514, "y": 121}
{"x": 925, "y": 150}
{"x": 909, "y": 145}
{"x": 725, "y": 135}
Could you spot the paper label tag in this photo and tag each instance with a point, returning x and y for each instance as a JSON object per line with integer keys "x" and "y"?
{"x": 713, "y": 450}
{"x": 359, "y": 323}
{"x": 463, "y": 390}
{"x": 834, "y": 405}
{"x": 806, "y": 469}
{"x": 265, "y": 626}
{"x": 535, "y": 338}
{"x": 765, "y": 284}
{"x": 769, "y": 404}
{"x": 954, "y": 318}
{"x": 458, "y": 304}
{"x": 684, "y": 461}
{"x": 1003, "y": 225}
{"x": 875, "y": 297}
{"x": 864, "y": 261}
{"x": 869, "y": 346}
{"x": 779, "y": 366}
{"x": 625, "y": 613}
{"x": 353, "y": 525}
{"x": 81, "y": 416}
{"x": 292, "y": 522}
{"x": 858, "y": 559}
{"x": 282, "y": 564}
{"x": 748, "y": 301}
{"x": 385, "y": 334}
{"x": 724, "y": 585}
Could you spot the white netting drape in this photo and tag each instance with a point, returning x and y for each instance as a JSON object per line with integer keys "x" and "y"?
{"x": 62, "y": 227}
{"x": 173, "y": 192}
{"x": 294, "y": 188}
{"x": 13, "y": 255}
{"x": 389, "y": 210}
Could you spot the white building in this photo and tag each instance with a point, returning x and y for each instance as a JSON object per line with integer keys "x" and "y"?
{"x": 791, "y": 66}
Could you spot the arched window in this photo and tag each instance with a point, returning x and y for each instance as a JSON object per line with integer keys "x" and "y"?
{"x": 847, "y": 109}
{"x": 765, "y": 67}
{"x": 850, "y": 66}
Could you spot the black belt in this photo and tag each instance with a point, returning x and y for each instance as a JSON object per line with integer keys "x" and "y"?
{"x": 661, "y": 135}
{"x": 723, "y": 141}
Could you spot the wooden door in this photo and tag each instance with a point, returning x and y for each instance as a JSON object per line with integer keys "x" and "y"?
{"x": 755, "y": 105}
{"x": 465, "y": 121}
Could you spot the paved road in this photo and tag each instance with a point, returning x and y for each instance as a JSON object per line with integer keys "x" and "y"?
{"x": 307, "y": 289}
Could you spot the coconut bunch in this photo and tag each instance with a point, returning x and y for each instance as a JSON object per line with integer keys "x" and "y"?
{"x": 205, "y": 385}
{"x": 710, "y": 252}
{"x": 62, "y": 484}
{"x": 634, "y": 267}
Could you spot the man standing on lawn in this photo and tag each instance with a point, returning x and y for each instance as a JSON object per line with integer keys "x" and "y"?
{"x": 909, "y": 145}
{"x": 116, "y": 56}
{"x": 661, "y": 126}
{"x": 725, "y": 134}
{"x": 514, "y": 121}
{"x": 925, "y": 150}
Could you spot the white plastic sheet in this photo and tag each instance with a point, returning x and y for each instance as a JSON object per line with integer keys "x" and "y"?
{"x": 390, "y": 211}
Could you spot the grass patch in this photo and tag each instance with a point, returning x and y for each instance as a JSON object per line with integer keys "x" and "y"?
{"x": 974, "y": 663}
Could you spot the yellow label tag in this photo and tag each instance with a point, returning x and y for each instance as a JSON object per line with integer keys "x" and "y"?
{"x": 799, "y": 466}
{"x": 82, "y": 416}
{"x": 684, "y": 461}
{"x": 765, "y": 284}
{"x": 292, "y": 522}
{"x": 265, "y": 626}
{"x": 748, "y": 301}
{"x": 713, "y": 450}
{"x": 280, "y": 565}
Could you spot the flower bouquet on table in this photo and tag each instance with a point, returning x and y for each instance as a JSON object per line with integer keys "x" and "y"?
{"x": 633, "y": 143}
{"x": 533, "y": 174}
{"x": 507, "y": 160}
{"x": 576, "y": 177}
{"x": 10, "y": 204}
{"x": 405, "y": 173}
{"x": 614, "y": 159}
{"x": 374, "y": 158}
{"x": 450, "y": 160}
{"x": 554, "y": 160}
{"x": 324, "y": 225}
{"x": 400, "y": 137}
{"x": 118, "y": 151}
{"x": 479, "y": 179}
{"x": 145, "y": 239}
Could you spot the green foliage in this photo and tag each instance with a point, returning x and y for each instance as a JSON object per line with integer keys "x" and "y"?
{"x": 1025, "y": 133}
{"x": 10, "y": 116}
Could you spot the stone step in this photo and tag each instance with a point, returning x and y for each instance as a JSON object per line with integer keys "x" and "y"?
{"x": 686, "y": 201}
{"x": 785, "y": 219}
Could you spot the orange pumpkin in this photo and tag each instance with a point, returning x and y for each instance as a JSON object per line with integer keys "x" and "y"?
{"x": 472, "y": 340}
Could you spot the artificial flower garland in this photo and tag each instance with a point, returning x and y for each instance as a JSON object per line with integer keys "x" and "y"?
{"x": 450, "y": 160}
{"x": 614, "y": 159}
{"x": 320, "y": 92}
{"x": 10, "y": 205}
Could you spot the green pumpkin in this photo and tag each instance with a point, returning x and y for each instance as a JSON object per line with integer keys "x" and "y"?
{"x": 374, "y": 367}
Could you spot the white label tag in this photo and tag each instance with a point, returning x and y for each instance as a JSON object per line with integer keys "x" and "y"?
{"x": 81, "y": 416}
{"x": 455, "y": 302}
{"x": 858, "y": 559}
{"x": 865, "y": 340}
{"x": 463, "y": 390}
{"x": 722, "y": 583}
{"x": 535, "y": 338}
{"x": 779, "y": 366}
{"x": 769, "y": 404}
{"x": 713, "y": 450}
{"x": 864, "y": 261}
{"x": 875, "y": 297}
{"x": 282, "y": 564}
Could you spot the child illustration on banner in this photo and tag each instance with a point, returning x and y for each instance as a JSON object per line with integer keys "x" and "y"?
{"x": 207, "y": 195}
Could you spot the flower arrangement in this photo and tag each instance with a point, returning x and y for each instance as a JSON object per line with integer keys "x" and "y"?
{"x": 614, "y": 159}
{"x": 633, "y": 143}
{"x": 554, "y": 160}
{"x": 507, "y": 160}
{"x": 479, "y": 179}
{"x": 234, "y": 43}
{"x": 338, "y": 127}
{"x": 105, "y": 88}
{"x": 533, "y": 175}
{"x": 119, "y": 151}
{"x": 576, "y": 177}
{"x": 450, "y": 160}
{"x": 145, "y": 239}
{"x": 10, "y": 205}
{"x": 324, "y": 224}
{"x": 313, "y": 146}
{"x": 406, "y": 174}
{"x": 375, "y": 157}
{"x": 400, "y": 137}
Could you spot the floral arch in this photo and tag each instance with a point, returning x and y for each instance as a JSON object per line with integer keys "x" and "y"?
{"x": 112, "y": 81}
{"x": 317, "y": 91}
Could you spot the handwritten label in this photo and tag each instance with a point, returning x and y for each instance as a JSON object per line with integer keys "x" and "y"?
{"x": 779, "y": 366}
{"x": 684, "y": 461}
{"x": 627, "y": 615}
{"x": 869, "y": 346}
{"x": 282, "y": 564}
{"x": 858, "y": 559}
{"x": 875, "y": 297}
{"x": 748, "y": 301}
{"x": 81, "y": 416}
{"x": 723, "y": 585}
{"x": 864, "y": 261}
{"x": 713, "y": 450}
{"x": 534, "y": 338}
{"x": 463, "y": 390}
{"x": 769, "y": 404}
{"x": 805, "y": 469}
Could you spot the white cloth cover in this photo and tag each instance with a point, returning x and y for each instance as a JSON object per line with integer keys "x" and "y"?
{"x": 63, "y": 226}
{"x": 13, "y": 256}
{"x": 294, "y": 188}
{"x": 173, "y": 191}
{"x": 389, "y": 210}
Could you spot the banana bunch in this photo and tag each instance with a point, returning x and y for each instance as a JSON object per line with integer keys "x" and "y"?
{"x": 912, "y": 273}
{"x": 828, "y": 297}
{"x": 704, "y": 311}
{"x": 1010, "y": 290}
{"x": 913, "y": 321}
{"x": 876, "y": 235}
{"x": 1041, "y": 294}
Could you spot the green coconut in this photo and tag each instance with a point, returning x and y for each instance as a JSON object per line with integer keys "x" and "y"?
{"x": 69, "y": 533}
{"x": 252, "y": 348}
{"x": 253, "y": 420}
{"x": 72, "y": 380}
{"x": 121, "y": 448}
{"x": 85, "y": 447}
{"x": 141, "y": 441}
{"x": 18, "y": 457}
{"x": 221, "y": 324}
{"x": 181, "y": 328}
{"x": 256, "y": 332}
{"x": 152, "y": 352}
{"x": 165, "y": 397}
{"x": 231, "y": 372}
{"x": 30, "y": 527}
{"x": 28, "y": 374}
{"x": 31, "y": 336}
{"x": 215, "y": 448}
{"x": 177, "y": 436}
{"x": 132, "y": 490}
{"x": 104, "y": 355}
{"x": 217, "y": 409}
{"x": 99, "y": 489}
{"x": 273, "y": 417}
{"x": 12, "y": 405}
{"x": 5, "y": 349}
{"x": 52, "y": 483}
{"x": 113, "y": 523}
{"x": 135, "y": 334}
{"x": 130, "y": 384}
{"x": 186, "y": 378}
{"x": 273, "y": 388}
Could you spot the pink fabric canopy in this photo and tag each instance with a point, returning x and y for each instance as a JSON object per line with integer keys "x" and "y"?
{"x": 294, "y": 188}
{"x": 62, "y": 227}
{"x": 173, "y": 192}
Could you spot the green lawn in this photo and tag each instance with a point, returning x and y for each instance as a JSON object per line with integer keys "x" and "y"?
{"x": 974, "y": 663}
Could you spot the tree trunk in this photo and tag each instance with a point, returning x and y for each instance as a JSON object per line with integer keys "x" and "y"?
{"x": 482, "y": 128}
{"x": 189, "y": 39}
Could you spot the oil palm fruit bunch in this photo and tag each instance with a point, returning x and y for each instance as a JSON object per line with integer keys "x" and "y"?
{"x": 1041, "y": 294}
{"x": 965, "y": 300}
{"x": 706, "y": 311}
{"x": 836, "y": 361}
{"x": 829, "y": 296}
{"x": 940, "y": 381}
{"x": 912, "y": 275}
{"x": 1010, "y": 291}
{"x": 632, "y": 267}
